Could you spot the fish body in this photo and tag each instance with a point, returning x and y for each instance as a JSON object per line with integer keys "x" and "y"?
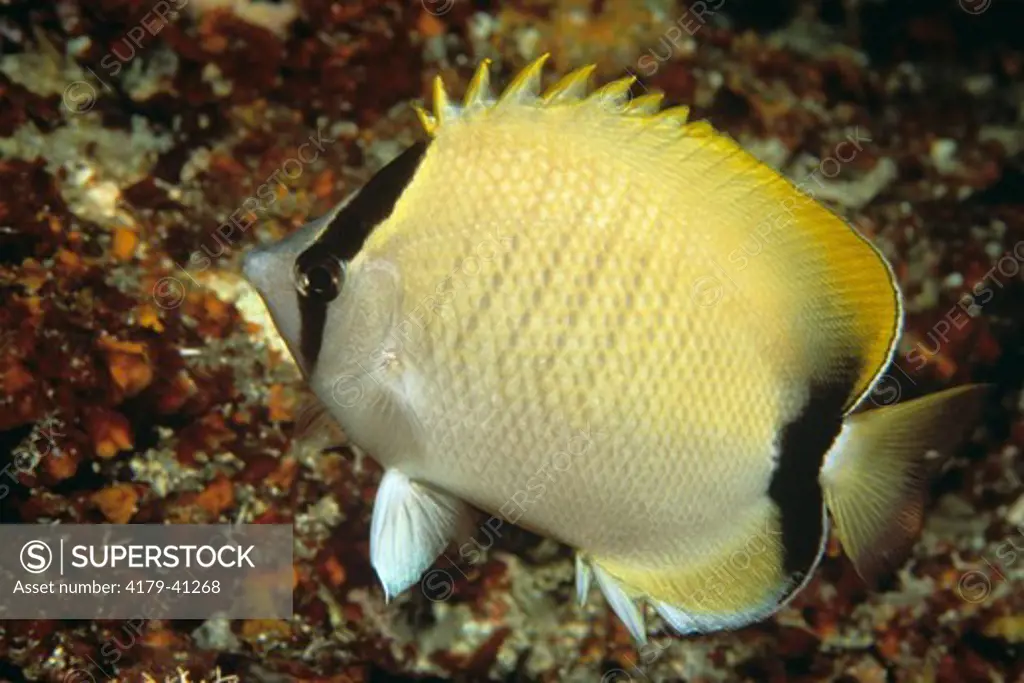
{"x": 616, "y": 328}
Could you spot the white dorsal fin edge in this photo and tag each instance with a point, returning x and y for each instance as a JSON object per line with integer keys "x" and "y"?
{"x": 625, "y": 607}
{"x": 411, "y": 526}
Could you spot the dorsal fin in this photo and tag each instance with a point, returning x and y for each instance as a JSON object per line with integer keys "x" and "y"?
{"x": 524, "y": 90}
{"x": 525, "y": 87}
{"x": 645, "y": 104}
{"x": 615, "y": 94}
{"x": 479, "y": 91}
{"x": 571, "y": 88}
{"x": 443, "y": 109}
{"x": 427, "y": 119}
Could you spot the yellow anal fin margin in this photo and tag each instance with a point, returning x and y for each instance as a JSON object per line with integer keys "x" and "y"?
{"x": 874, "y": 475}
{"x": 742, "y": 581}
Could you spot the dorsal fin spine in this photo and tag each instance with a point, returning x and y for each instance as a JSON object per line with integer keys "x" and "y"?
{"x": 526, "y": 85}
{"x": 427, "y": 119}
{"x": 570, "y": 90}
{"x": 614, "y": 93}
{"x": 479, "y": 90}
{"x": 645, "y": 105}
{"x": 675, "y": 115}
{"x": 443, "y": 110}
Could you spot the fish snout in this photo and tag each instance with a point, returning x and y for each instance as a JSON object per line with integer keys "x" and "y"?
{"x": 270, "y": 271}
{"x": 255, "y": 266}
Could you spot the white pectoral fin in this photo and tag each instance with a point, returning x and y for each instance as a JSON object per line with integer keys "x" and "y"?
{"x": 411, "y": 526}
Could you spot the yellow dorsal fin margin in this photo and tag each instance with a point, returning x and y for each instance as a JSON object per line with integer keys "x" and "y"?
{"x": 526, "y": 85}
{"x": 443, "y": 109}
{"x": 479, "y": 91}
{"x": 615, "y": 94}
{"x": 570, "y": 90}
{"x": 427, "y": 119}
{"x": 645, "y": 105}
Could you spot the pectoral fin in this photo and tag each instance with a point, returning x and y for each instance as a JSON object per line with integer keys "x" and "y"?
{"x": 411, "y": 526}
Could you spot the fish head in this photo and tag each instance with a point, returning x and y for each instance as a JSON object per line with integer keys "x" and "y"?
{"x": 291, "y": 275}
{"x": 335, "y": 302}
{"x": 330, "y": 311}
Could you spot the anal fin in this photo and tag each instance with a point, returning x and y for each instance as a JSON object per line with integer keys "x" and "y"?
{"x": 412, "y": 524}
{"x": 622, "y": 603}
{"x": 583, "y": 576}
{"x": 740, "y": 581}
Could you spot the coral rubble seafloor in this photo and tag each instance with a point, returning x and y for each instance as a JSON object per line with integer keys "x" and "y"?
{"x": 140, "y": 380}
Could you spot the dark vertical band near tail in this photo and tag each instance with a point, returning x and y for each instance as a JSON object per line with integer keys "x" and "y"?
{"x": 795, "y": 486}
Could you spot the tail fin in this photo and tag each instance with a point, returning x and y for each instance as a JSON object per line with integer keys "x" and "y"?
{"x": 874, "y": 475}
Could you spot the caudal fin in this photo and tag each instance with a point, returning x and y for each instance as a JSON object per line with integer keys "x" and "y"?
{"x": 874, "y": 475}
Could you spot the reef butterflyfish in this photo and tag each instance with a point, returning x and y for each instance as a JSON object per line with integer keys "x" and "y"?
{"x": 553, "y": 300}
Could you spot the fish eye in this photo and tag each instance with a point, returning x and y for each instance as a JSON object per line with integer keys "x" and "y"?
{"x": 320, "y": 279}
